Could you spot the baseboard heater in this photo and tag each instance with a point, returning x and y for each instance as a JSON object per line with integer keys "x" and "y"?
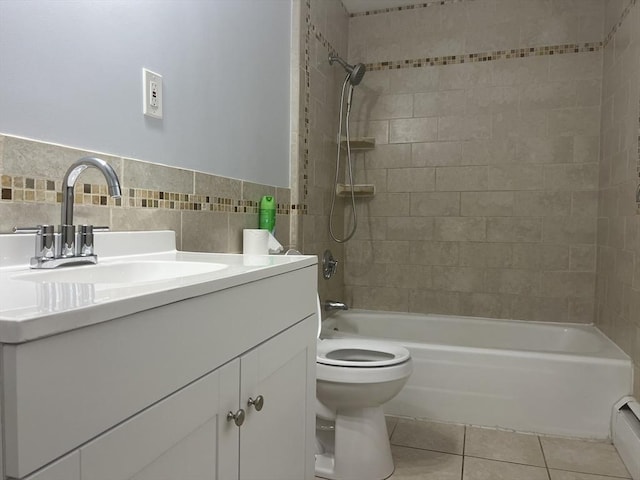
{"x": 625, "y": 430}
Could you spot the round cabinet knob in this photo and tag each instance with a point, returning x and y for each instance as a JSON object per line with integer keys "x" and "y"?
{"x": 238, "y": 417}
{"x": 258, "y": 403}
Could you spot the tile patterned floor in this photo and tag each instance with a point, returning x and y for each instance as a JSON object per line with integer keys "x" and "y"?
{"x": 435, "y": 451}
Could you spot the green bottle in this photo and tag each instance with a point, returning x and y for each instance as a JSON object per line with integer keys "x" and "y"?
{"x": 267, "y": 213}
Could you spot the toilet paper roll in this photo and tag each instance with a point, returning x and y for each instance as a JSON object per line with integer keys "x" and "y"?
{"x": 255, "y": 241}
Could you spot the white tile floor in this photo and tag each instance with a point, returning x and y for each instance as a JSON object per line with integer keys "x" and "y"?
{"x": 435, "y": 451}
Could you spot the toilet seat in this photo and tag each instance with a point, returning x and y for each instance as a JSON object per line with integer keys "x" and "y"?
{"x": 360, "y": 353}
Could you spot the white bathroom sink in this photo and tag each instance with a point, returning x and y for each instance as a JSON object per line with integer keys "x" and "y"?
{"x": 136, "y": 271}
{"x": 131, "y": 273}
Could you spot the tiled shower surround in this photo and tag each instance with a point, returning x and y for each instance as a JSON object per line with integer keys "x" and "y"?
{"x": 490, "y": 117}
{"x": 486, "y": 171}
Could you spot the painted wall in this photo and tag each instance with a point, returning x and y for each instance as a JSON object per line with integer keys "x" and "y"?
{"x": 70, "y": 73}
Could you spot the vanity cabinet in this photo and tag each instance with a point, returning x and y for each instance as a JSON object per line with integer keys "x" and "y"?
{"x": 190, "y": 436}
{"x": 148, "y": 396}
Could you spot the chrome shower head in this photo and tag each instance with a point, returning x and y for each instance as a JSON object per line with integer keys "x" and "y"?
{"x": 356, "y": 72}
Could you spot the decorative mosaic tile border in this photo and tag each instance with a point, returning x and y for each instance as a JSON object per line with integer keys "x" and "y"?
{"x": 609, "y": 37}
{"x": 615, "y": 28}
{"x": 638, "y": 188}
{"x": 445, "y": 2}
{"x": 406, "y": 7}
{"x": 39, "y": 190}
{"x": 323, "y": 41}
{"x": 486, "y": 56}
{"x": 307, "y": 104}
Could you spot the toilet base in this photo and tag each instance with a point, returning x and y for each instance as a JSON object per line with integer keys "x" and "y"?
{"x": 362, "y": 442}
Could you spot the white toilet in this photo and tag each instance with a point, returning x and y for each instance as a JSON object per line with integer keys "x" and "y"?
{"x": 355, "y": 377}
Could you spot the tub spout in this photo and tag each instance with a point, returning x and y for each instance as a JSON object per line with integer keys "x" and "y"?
{"x": 333, "y": 305}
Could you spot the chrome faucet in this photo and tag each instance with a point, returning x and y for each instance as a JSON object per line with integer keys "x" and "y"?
{"x": 333, "y": 305}
{"x": 67, "y": 230}
{"x": 69, "y": 250}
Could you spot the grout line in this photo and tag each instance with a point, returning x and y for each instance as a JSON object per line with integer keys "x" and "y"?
{"x": 544, "y": 457}
{"x": 506, "y": 461}
{"x": 591, "y": 474}
{"x": 464, "y": 448}
{"x": 395, "y": 425}
{"x": 428, "y": 450}
{"x": 464, "y": 441}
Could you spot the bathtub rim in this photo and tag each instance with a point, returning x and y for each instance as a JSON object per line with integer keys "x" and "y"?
{"x": 613, "y": 355}
{"x": 533, "y": 407}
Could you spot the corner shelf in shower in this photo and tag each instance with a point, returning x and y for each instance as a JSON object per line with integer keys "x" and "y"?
{"x": 359, "y": 190}
{"x": 358, "y": 144}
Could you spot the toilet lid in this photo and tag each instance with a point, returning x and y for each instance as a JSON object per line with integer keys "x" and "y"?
{"x": 351, "y": 352}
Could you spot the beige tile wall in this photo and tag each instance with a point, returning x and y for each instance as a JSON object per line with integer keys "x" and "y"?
{"x": 618, "y": 280}
{"x": 472, "y": 27}
{"x": 486, "y": 172}
{"x": 324, "y": 26}
{"x": 207, "y": 212}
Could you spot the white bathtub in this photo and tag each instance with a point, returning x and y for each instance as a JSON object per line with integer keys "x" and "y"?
{"x": 547, "y": 378}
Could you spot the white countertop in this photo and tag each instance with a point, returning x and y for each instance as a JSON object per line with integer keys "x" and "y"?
{"x": 32, "y": 309}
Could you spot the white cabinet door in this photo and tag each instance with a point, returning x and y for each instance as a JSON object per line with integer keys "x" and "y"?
{"x": 66, "y": 468}
{"x": 191, "y": 458}
{"x": 175, "y": 438}
{"x": 228, "y": 431}
{"x": 277, "y": 441}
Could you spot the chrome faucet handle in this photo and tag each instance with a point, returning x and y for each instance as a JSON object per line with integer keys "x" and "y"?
{"x": 329, "y": 265}
{"x": 26, "y": 229}
{"x": 67, "y": 241}
{"x": 84, "y": 240}
{"x": 45, "y": 240}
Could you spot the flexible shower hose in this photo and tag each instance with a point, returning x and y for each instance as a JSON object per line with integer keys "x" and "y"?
{"x": 350, "y": 168}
